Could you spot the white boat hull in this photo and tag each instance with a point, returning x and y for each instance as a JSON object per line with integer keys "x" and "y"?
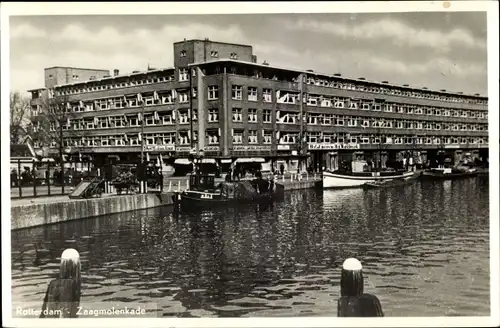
{"x": 335, "y": 180}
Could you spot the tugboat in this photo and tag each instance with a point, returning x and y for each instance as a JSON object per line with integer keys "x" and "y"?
{"x": 203, "y": 191}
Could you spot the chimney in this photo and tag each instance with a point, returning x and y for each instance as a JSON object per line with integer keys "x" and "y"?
{"x": 406, "y": 85}
{"x": 385, "y": 82}
{"x": 116, "y": 72}
{"x": 254, "y": 59}
{"x": 265, "y": 63}
{"x": 361, "y": 78}
{"x": 337, "y": 74}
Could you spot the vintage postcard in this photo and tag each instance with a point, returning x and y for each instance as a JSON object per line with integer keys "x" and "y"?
{"x": 250, "y": 164}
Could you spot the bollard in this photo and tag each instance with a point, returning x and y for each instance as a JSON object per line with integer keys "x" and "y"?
{"x": 170, "y": 185}
{"x": 353, "y": 302}
{"x": 187, "y": 184}
{"x": 62, "y": 298}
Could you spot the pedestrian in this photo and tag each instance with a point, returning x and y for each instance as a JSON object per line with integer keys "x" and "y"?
{"x": 282, "y": 168}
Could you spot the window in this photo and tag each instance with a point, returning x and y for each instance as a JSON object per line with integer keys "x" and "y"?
{"x": 150, "y": 119}
{"x": 288, "y": 138}
{"x": 267, "y": 95}
{"x": 252, "y": 115}
{"x": 327, "y": 119}
{"x": 313, "y": 137}
{"x": 365, "y": 124}
{"x": 213, "y": 115}
{"x": 267, "y": 116}
{"x": 267, "y": 136}
{"x": 183, "y": 53}
{"x": 213, "y": 92}
{"x": 237, "y": 115}
{"x": 366, "y": 106}
{"x": 233, "y": 55}
{"x": 103, "y": 122}
{"x": 104, "y": 141}
{"x": 214, "y": 54}
{"x": 183, "y": 74}
{"x": 75, "y": 77}
{"x": 102, "y": 104}
{"x": 325, "y": 102}
{"x": 183, "y": 138}
{"x": 312, "y": 100}
{"x": 133, "y": 120}
{"x": 213, "y": 137}
{"x": 339, "y": 104}
{"x": 252, "y": 137}
{"x": 184, "y": 117}
{"x": 167, "y": 119}
{"x": 252, "y": 94}
{"x": 237, "y": 92}
{"x": 351, "y": 121}
{"x": 183, "y": 97}
{"x": 149, "y": 101}
{"x": 237, "y": 137}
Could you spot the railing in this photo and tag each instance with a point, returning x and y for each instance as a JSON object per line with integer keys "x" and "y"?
{"x": 35, "y": 179}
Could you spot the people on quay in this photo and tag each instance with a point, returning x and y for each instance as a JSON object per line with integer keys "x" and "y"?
{"x": 14, "y": 178}
{"x": 353, "y": 302}
{"x": 282, "y": 168}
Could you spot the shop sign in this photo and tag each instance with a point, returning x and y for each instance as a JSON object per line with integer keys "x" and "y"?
{"x": 183, "y": 148}
{"x": 331, "y": 146}
{"x": 283, "y": 147}
{"x": 159, "y": 148}
{"x": 251, "y": 148}
{"x": 212, "y": 148}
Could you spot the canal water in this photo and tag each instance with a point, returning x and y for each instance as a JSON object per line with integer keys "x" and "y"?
{"x": 424, "y": 248}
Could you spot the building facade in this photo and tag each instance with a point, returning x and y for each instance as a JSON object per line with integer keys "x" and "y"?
{"x": 218, "y": 102}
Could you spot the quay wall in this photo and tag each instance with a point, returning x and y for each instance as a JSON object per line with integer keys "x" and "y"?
{"x": 31, "y": 215}
{"x": 36, "y": 214}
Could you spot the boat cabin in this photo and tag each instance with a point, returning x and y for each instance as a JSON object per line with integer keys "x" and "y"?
{"x": 202, "y": 182}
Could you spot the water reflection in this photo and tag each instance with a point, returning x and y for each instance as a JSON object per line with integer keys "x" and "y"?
{"x": 424, "y": 247}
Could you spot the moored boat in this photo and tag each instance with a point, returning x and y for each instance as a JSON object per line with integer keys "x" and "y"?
{"x": 359, "y": 178}
{"x": 203, "y": 192}
{"x": 449, "y": 173}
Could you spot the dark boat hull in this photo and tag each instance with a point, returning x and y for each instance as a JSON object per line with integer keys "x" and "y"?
{"x": 189, "y": 200}
{"x": 448, "y": 176}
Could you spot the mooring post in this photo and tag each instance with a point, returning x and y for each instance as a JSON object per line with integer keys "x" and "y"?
{"x": 63, "y": 294}
{"x": 187, "y": 184}
{"x": 353, "y": 302}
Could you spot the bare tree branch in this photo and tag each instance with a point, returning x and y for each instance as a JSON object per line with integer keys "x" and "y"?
{"x": 55, "y": 115}
{"x": 19, "y": 116}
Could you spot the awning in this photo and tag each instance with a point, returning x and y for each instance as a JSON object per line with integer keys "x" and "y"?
{"x": 44, "y": 160}
{"x": 182, "y": 161}
{"x": 250, "y": 160}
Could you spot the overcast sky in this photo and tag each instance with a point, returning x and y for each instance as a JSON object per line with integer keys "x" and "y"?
{"x": 445, "y": 50}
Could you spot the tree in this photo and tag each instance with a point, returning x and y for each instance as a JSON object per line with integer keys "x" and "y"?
{"x": 19, "y": 116}
{"x": 51, "y": 126}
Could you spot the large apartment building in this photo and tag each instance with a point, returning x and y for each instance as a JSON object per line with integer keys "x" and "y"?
{"x": 219, "y": 102}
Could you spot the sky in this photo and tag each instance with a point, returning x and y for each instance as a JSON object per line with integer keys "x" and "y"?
{"x": 438, "y": 50}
